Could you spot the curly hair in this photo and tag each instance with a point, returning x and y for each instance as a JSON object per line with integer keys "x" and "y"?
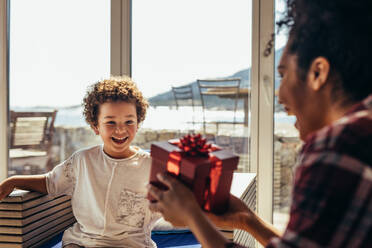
{"x": 114, "y": 89}
{"x": 340, "y": 31}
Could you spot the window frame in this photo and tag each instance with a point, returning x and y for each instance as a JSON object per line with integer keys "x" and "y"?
{"x": 4, "y": 89}
{"x": 262, "y": 105}
{"x": 121, "y": 37}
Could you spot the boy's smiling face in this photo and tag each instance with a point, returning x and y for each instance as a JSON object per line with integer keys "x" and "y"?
{"x": 117, "y": 125}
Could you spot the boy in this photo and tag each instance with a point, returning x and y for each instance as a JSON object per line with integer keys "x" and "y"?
{"x": 106, "y": 182}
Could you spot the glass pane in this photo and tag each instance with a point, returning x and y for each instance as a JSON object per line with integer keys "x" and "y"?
{"x": 286, "y": 140}
{"x": 177, "y": 43}
{"x": 57, "y": 49}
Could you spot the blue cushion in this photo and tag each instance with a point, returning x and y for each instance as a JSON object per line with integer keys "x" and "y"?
{"x": 55, "y": 242}
{"x": 179, "y": 240}
{"x": 163, "y": 239}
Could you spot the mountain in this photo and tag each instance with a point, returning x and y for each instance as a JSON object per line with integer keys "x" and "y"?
{"x": 167, "y": 98}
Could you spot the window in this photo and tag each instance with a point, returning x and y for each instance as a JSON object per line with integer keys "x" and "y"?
{"x": 175, "y": 43}
{"x": 54, "y": 54}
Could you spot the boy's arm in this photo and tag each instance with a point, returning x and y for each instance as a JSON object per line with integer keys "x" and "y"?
{"x": 34, "y": 182}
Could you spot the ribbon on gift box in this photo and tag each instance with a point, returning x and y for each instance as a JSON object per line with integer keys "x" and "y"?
{"x": 195, "y": 145}
{"x": 214, "y": 175}
{"x": 173, "y": 164}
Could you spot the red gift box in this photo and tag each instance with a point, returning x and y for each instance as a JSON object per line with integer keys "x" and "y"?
{"x": 205, "y": 169}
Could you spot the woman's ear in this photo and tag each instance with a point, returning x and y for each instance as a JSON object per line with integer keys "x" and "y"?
{"x": 318, "y": 73}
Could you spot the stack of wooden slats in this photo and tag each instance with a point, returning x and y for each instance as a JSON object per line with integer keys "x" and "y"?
{"x": 28, "y": 219}
{"x": 249, "y": 197}
{"x": 244, "y": 187}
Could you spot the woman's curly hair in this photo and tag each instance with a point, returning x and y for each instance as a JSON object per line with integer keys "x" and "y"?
{"x": 339, "y": 30}
{"x": 114, "y": 89}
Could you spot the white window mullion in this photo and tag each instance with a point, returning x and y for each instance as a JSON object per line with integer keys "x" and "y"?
{"x": 263, "y": 105}
{"x": 254, "y": 85}
{"x": 121, "y": 37}
{"x": 4, "y": 90}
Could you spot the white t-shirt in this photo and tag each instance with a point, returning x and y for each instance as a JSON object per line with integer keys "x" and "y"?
{"x": 108, "y": 198}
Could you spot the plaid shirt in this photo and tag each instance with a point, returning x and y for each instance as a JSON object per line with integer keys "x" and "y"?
{"x": 332, "y": 195}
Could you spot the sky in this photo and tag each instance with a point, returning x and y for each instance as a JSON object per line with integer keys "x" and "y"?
{"x": 191, "y": 39}
{"x": 186, "y": 40}
{"x": 59, "y": 47}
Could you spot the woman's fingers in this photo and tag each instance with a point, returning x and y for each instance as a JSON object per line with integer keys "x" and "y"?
{"x": 158, "y": 195}
{"x": 168, "y": 180}
{"x": 173, "y": 201}
{"x": 154, "y": 207}
{"x": 155, "y": 192}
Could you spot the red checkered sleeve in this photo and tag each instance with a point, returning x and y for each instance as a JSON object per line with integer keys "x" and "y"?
{"x": 332, "y": 195}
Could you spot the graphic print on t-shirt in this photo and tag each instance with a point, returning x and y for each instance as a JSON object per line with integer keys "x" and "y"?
{"x": 69, "y": 173}
{"x": 131, "y": 209}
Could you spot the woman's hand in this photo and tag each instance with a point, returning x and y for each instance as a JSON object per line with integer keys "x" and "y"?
{"x": 6, "y": 187}
{"x": 177, "y": 204}
{"x": 236, "y": 217}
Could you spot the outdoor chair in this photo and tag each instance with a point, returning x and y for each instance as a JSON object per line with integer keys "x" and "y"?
{"x": 31, "y": 136}
{"x": 219, "y": 95}
{"x": 183, "y": 96}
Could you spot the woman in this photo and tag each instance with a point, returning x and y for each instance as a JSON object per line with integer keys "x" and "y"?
{"x": 325, "y": 72}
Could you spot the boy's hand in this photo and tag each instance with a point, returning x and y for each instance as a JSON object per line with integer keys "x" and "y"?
{"x": 6, "y": 187}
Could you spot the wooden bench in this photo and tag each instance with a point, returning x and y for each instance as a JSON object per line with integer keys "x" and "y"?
{"x": 31, "y": 136}
{"x": 29, "y": 219}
